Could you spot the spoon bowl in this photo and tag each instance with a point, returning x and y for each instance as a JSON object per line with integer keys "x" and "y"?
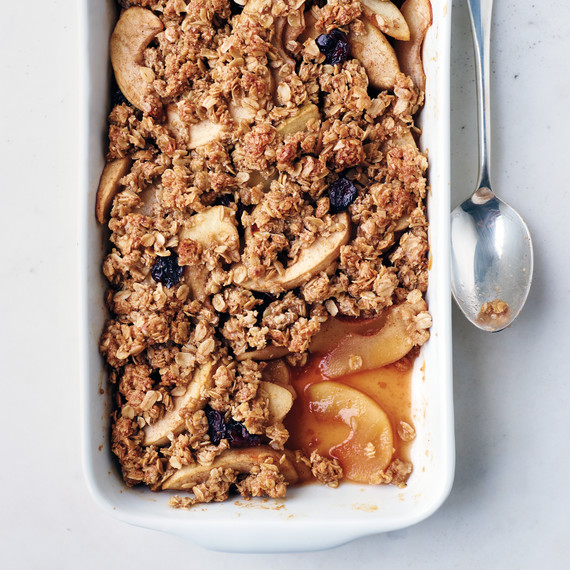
{"x": 491, "y": 247}
{"x": 491, "y": 260}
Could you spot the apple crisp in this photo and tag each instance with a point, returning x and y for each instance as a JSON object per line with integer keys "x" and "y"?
{"x": 265, "y": 200}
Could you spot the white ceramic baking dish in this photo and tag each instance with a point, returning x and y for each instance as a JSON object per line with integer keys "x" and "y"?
{"x": 311, "y": 517}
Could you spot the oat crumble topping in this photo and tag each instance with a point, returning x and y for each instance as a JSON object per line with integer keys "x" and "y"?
{"x": 227, "y": 253}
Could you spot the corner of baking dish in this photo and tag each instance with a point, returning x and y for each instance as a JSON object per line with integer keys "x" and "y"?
{"x": 312, "y": 517}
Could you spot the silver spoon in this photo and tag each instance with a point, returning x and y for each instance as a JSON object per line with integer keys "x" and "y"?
{"x": 491, "y": 247}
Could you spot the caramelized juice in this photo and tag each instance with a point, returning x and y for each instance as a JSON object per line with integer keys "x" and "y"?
{"x": 389, "y": 387}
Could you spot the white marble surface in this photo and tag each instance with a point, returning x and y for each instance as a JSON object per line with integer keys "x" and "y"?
{"x": 510, "y": 505}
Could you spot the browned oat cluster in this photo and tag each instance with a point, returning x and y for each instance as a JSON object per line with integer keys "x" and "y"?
{"x": 252, "y": 191}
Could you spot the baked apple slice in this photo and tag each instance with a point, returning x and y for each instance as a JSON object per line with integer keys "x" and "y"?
{"x": 191, "y": 135}
{"x": 279, "y": 400}
{"x": 270, "y": 352}
{"x": 134, "y": 31}
{"x": 373, "y": 344}
{"x": 312, "y": 260}
{"x": 109, "y": 185}
{"x": 419, "y": 16}
{"x": 308, "y": 112}
{"x": 387, "y": 18}
{"x": 214, "y": 226}
{"x": 240, "y": 460}
{"x": 369, "y": 447}
{"x": 377, "y": 56}
{"x": 193, "y": 400}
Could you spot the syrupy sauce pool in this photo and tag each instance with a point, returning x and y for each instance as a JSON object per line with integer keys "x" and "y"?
{"x": 389, "y": 387}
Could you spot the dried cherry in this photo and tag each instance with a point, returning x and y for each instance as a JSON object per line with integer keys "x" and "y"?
{"x": 334, "y": 46}
{"x": 342, "y": 193}
{"x": 166, "y": 270}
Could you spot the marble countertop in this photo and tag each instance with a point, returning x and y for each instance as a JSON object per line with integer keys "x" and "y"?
{"x": 510, "y": 504}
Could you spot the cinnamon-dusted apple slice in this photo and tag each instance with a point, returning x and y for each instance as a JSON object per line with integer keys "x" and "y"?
{"x": 308, "y": 112}
{"x": 419, "y": 16}
{"x": 369, "y": 447}
{"x": 109, "y": 185}
{"x": 312, "y": 260}
{"x": 134, "y": 31}
{"x": 191, "y": 135}
{"x": 387, "y": 18}
{"x": 268, "y": 353}
{"x": 193, "y": 400}
{"x": 279, "y": 400}
{"x": 240, "y": 460}
{"x": 377, "y": 56}
{"x": 383, "y": 342}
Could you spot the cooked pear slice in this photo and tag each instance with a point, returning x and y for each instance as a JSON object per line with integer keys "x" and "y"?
{"x": 296, "y": 124}
{"x": 193, "y": 400}
{"x": 136, "y": 28}
{"x": 268, "y": 353}
{"x": 312, "y": 260}
{"x": 377, "y": 56}
{"x": 369, "y": 447}
{"x": 214, "y": 226}
{"x": 279, "y": 400}
{"x": 109, "y": 185}
{"x": 419, "y": 16}
{"x": 380, "y": 342}
{"x": 387, "y": 18}
{"x": 240, "y": 460}
{"x": 193, "y": 135}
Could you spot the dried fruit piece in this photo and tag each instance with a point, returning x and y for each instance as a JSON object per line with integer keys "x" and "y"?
{"x": 342, "y": 193}
{"x": 166, "y": 270}
{"x": 334, "y": 46}
{"x": 217, "y": 429}
{"x": 239, "y": 437}
{"x": 235, "y": 432}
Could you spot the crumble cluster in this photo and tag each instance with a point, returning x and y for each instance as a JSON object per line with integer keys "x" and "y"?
{"x": 216, "y": 66}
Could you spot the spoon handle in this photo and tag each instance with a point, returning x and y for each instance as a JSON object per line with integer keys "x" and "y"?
{"x": 480, "y": 12}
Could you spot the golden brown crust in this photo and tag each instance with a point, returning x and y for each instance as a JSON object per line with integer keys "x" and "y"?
{"x": 208, "y": 67}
